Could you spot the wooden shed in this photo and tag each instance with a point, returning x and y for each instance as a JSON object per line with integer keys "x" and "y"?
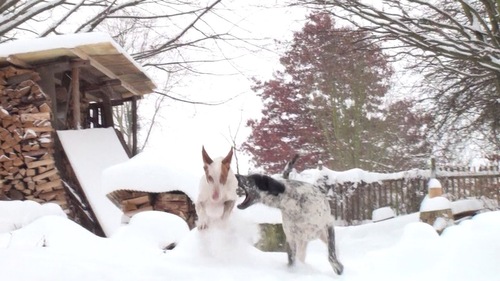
{"x": 62, "y": 82}
{"x": 86, "y": 71}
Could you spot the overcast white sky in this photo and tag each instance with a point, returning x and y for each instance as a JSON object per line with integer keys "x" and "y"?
{"x": 184, "y": 128}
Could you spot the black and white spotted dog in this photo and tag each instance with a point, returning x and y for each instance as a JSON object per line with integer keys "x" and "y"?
{"x": 304, "y": 208}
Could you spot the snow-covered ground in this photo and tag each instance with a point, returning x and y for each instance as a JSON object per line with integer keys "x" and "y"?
{"x": 36, "y": 245}
{"x": 38, "y": 242}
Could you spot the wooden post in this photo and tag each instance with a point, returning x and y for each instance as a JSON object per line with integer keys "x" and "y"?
{"x": 107, "y": 107}
{"x": 48, "y": 85}
{"x": 433, "y": 167}
{"x": 134, "y": 125}
{"x": 75, "y": 96}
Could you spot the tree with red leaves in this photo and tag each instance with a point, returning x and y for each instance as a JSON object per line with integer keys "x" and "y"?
{"x": 327, "y": 103}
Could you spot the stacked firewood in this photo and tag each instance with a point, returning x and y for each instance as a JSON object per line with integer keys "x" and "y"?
{"x": 175, "y": 202}
{"x": 131, "y": 202}
{"x": 27, "y": 166}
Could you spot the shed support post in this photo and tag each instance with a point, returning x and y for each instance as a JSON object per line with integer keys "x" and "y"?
{"x": 75, "y": 97}
{"x": 48, "y": 85}
{"x": 134, "y": 125}
{"x": 107, "y": 107}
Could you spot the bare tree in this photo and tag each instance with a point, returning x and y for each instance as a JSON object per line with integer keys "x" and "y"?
{"x": 160, "y": 35}
{"x": 176, "y": 24}
{"x": 456, "y": 47}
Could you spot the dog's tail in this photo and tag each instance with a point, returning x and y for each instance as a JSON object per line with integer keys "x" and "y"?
{"x": 332, "y": 253}
{"x": 289, "y": 166}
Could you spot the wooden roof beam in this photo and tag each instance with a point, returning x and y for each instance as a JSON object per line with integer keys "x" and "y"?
{"x": 56, "y": 66}
{"x": 18, "y": 62}
{"x": 101, "y": 85}
{"x": 104, "y": 70}
{"x": 79, "y": 63}
{"x": 89, "y": 77}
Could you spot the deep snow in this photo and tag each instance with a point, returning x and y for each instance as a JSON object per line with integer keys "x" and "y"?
{"x": 53, "y": 247}
{"x": 38, "y": 242}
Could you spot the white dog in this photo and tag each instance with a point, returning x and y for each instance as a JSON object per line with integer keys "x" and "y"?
{"x": 217, "y": 194}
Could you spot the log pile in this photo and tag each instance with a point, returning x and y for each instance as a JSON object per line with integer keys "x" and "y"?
{"x": 178, "y": 203}
{"x": 174, "y": 202}
{"x": 27, "y": 166}
{"x": 131, "y": 202}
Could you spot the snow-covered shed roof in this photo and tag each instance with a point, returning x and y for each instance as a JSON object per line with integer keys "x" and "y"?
{"x": 104, "y": 59}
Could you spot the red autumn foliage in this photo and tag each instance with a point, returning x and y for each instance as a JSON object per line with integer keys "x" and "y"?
{"x": 326, "y": 104}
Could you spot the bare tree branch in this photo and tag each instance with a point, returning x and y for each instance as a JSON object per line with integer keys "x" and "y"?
{"x": 63, "y": 19}
{"x": 195, "y": 102}
{"x": 455, "y": 45}
{"x": 167, "y": 44}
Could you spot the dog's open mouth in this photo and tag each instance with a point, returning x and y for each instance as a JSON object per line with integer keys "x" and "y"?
{"x": 247, "y": 202}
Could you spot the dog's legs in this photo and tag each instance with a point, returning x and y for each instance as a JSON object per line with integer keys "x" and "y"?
{"x": 301, "y": 251}
{"x": 328, "y": 237}
{"x": 202, "y": 222}
{"x": 291, "y": 250}
{"x": 228, "y": 207}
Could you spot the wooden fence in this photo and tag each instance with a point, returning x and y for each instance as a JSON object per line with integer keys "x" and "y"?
{"x": 354, "y": 201}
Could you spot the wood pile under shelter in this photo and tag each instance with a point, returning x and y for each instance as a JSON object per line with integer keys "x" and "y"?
{"x": 27, "y": 163}
{"x": 175, "y": 202}
{"x": 66, "y": 82}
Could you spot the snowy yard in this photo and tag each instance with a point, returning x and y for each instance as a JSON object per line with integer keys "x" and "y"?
{"x": 45, "y": 245}
{"x": 38, "y": 242}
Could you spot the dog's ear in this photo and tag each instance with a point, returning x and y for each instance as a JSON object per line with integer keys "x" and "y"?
{"x": 241, "y": 180}
{"x": 227, "y": 159}
{"x": 206, "y": 159}
{"x": 267, "y": 183}
{"x": 275, "y": 187}
{"x": 225, "y": 167}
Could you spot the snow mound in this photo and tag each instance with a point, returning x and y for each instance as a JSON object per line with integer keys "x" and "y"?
{"x": 466, "y": 205}
{"x": 17, "y": 214}
{"x": 418, "y": 233}
{"x": 50, "y": 231}
{"x": 381, "y": 214}
{"x": 434, "y": 204}
{"x": 230, "y": 242}
{"x": 472, "y": 247}
{"x": 152, "y": 229}
{"x": 151, "y": 172}
{"x": 434, "y": 183}
{"x": 419, "y": 241}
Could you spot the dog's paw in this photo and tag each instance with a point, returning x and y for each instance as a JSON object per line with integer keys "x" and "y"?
{"x": 338, "y": 267}
{"x": 202, "y": 226}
